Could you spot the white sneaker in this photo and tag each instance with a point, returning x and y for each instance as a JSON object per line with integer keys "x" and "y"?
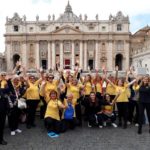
{"x": 89, "y": 125}
{"x": 136, "y": 125}
{"x": 104, "y": 124}
{"x": 114, "y": 125}
{"x": 100, "y": 126}
{"x": 12, "y": 133}
{"x": 18, "y": 130}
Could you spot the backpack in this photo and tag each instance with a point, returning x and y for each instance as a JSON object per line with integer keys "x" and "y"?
{"x": 69, "y": 112}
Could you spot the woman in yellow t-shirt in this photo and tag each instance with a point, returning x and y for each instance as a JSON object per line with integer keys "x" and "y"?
{"x": 50, "y": 85}
{"x": 88, "y": 85}
{"x": 98, "y": 85}
{"x": 122, "y": 100}
{"x": 52, "y": 117}
{"x": 33, "y": 98}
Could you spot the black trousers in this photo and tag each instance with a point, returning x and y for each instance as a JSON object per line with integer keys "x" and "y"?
{"x": 142, "y": 107}
{"x": 122, "y": 112}
{"x": 43, "y": 108}
{"x": 95, "y": 119}
{"x": 2, "y": 124}
{"x": 13, "y": 118}
{"x": 3, "y": 112}
{"x": 52, "y": 125}
{"x": 105, "y": 117}
{"x": 78, "y": 112}
{"x": 133, "y": 107}
{"x": 31, "y": 110}
{"x": 68, "y": 124}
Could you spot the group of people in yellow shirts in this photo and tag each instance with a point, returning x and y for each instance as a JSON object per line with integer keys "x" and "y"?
{"x": 70, "y": 98}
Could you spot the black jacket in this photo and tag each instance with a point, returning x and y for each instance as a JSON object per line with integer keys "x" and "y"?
{"x": 144, "y": 94}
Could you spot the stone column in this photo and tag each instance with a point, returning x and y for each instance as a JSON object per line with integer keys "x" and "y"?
{"x": 9, "y": 57}
{"x": 97, "y": 57}
{"x": 24, "y": 55}
{"x": 37, "y": 55}
{"x": 73, "y": 56}
{"x": 85, "y": 55}
{"x": 81, "y": 54}
{"x": 49, "y": 56}
{"x": 61, "y": 55}
{"x": 53, "y": 56}
{"x": 126, "y": 63}
{"x": 110, "y": 56}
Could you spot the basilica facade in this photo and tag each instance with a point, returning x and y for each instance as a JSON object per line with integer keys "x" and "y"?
{"x": 68, "y": 41}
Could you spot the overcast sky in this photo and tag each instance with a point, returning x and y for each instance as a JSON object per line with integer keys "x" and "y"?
{"x": 137, "y": 10}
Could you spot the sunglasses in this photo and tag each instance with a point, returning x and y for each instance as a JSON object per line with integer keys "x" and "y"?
{"x": 50, "y": 77}
{"x": 3, "y": 75}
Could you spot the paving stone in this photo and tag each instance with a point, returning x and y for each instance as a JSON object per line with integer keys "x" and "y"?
{"x": 82, "y": 138}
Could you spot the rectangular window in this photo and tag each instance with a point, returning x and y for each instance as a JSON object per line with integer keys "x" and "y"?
{"x": 16, "y": 28}
{"x": 77, "y": 27}
{"x": 31, "y": 29}
{"x": 103, "y": 28}
{"x": 57, "y": 28}
{"x": 119, "y": 27}
{"x": 43, "y": 28}
{"x": 91, "y": 28}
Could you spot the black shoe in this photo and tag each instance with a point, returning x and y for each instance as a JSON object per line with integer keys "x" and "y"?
{"x": 124, "y": 126}
{"x": 119, "y": 124}
{"x": 3, "y": 142}
{"x": 139, "y": 131}
{"x": 28, "y": 126}
{"x": 33, "y": 125}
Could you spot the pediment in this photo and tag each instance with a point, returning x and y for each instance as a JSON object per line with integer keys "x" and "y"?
{"x": 66, "y": 30}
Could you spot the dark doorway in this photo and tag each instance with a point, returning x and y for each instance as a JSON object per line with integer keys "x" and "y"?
{"x": 67, "y": 63}
{"x": 91, "y": 64}
{"x": 118, "y": 61}
{"x": 16, "y": 58}
{"x": 44, "y": 64}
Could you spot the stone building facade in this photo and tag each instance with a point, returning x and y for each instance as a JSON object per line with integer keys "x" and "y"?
{"x": 140, "y": 49}
{"x": 67, "y": 41}
{"x": 2, "y": 62}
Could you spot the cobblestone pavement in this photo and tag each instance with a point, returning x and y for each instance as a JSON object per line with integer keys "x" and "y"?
{"x": 82, "y": 138}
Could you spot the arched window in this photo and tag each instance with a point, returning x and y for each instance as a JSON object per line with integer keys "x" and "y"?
{"x": 119, "y": 27}
{"x": 16, "y": 58}
{"x": 118, "y": 61}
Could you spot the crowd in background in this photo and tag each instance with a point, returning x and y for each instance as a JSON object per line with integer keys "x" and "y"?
{"x": 68, "y": 98}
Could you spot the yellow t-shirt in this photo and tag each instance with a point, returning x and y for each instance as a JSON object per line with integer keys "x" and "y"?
{"x": 125, "y": 94}
{"x": 88, "y": 88}
{"x": 74, "y": 90}
{"x": 110, "y": 89}
{"x": 98, "y": 87}
{"x": 68, "y": 88}
{"x": 49, "y": 87}
{"x": 32, "y": 92}
{"x": 3, "y": 84}
{"x": 136, "y": 88}
{"x": 53, "y": 109}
